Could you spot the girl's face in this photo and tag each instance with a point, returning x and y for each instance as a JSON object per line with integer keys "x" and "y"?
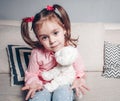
{"x": 52, "y": 36}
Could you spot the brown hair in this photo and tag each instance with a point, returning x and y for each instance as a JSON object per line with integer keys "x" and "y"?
{"x": 60, "y": 16}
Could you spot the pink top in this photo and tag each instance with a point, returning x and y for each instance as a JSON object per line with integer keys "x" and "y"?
{"x": 41, "y": 60}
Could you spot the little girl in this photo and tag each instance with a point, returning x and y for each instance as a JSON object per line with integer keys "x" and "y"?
{"x": 52, "y": 29}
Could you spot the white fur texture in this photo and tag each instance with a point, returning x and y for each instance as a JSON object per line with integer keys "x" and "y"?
{"x": 64, "y": 72}
{"x": 66, "y": 55}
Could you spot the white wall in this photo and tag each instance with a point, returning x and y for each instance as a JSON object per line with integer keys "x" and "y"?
{"x": 78, "y": 10}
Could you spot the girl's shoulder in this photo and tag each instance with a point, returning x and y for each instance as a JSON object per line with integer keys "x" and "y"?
{"x": 37, "y": 50}
{"x": 40, "y": 51}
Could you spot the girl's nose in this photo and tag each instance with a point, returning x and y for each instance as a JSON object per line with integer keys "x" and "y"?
{"x": 51, "y": 40}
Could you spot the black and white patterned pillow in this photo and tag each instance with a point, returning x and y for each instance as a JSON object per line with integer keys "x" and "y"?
{"x": 18, "y": 56}
{"x": 111, "y": 60}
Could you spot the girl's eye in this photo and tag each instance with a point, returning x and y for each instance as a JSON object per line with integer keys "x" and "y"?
{"x": 55, "y": 33}
{"x": 44, "y": 37}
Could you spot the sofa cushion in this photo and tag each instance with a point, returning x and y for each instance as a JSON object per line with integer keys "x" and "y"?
{"x": 111, "y": 60}
{"x": 91, "y": 36}
{"x": 8, "y": 35}
{"x": 112, "y": 33}
{"x": 18, "y": 56}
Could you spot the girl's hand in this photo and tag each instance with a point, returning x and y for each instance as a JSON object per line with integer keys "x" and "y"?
{"x": 79, "y": 86}
{"x": 33, "y": 87}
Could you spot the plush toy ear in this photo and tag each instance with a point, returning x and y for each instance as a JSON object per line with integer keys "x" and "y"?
{"x": 66, "y": 55}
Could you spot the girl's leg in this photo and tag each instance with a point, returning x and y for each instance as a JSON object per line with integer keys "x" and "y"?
{"x": 43, "y": 95}
{"x": 63, "y": 93}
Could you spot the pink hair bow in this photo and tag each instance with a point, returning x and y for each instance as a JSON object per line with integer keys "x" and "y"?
{"x": 28, "y": 19}
{"x": 50, "y": 8}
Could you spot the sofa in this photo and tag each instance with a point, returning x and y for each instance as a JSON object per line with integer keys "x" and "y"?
{"x": 91, "y": 45}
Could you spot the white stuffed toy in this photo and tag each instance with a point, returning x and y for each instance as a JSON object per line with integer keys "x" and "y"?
{"x": 63, "y": 73}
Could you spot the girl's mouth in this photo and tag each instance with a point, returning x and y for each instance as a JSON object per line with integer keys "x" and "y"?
{"x": 55, "y": 47}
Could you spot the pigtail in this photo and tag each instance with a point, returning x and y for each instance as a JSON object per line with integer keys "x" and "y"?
{"x": 26, "y": 35}
{"x": 64, "y": 17}
{"x": 66, "y": 21}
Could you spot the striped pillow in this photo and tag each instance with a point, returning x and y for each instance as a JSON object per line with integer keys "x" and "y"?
{"x": 111, "y": 60}
{"x": 18, "y": 56}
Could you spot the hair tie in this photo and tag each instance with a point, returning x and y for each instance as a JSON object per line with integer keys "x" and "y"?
{"x": 50, "y": 8}
{"x": 28, "y": 19}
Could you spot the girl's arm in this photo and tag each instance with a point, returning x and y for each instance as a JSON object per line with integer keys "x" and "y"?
{"x": 79, "y": 83}
{"x": 79, "y": 67}
{"x": 32, "y": 73}
{"x": 32, "y": 82}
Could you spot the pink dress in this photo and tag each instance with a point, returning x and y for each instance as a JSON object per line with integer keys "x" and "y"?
{"x": 42, "y": 60}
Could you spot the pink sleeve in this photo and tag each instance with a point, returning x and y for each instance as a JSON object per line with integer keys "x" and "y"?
{"x": 32, "y": 72}
{"x": 79, "y": 67}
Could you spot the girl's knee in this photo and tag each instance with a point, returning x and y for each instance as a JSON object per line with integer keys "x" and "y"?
{"x": 41, "y": 96}
{"x": 63, "y": 93}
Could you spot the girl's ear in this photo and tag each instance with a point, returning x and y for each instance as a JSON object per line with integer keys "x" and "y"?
{"x": 64, "y": 31}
